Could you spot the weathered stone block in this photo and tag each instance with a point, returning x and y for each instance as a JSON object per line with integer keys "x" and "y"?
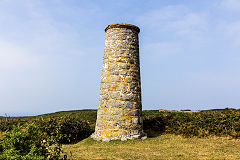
{"x": 134, "y": 113}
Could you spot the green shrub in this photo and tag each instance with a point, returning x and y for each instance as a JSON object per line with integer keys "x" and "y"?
{"x": 28, "y": 142}
{"x": 65, "y": 129}
{"x": 42, "y": 138}
{"x": 7, "y": 124}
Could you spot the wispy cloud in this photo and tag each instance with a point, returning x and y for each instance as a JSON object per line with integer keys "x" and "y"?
{"x": 231, "y": 32}
{"x": 200, "y": 42}
{"x": 163, "y": 49}
{"x": 13, "y": 56}
{"x": 230, "y": 4}
{"x": 175, "y": 19}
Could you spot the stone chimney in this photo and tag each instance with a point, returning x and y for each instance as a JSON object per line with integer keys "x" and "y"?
{"x": 119, "y": 114}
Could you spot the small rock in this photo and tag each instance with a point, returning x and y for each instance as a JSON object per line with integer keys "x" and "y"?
{"x": 124, "y": 139}
{"x": 135, "y": 120}
{"x": 136, "y": 136}
{"x": 130, "y": 138}
{"x": 143, "y": 138}
{"x": 106, "y": 139}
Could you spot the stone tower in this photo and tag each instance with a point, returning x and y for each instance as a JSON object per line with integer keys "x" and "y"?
{"x": 120, "y": 108}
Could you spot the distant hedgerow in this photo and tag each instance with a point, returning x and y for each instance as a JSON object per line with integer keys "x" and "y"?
{"x": 224, "y": 123}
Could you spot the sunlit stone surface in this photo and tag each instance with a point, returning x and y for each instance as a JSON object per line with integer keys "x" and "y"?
{"x": 120, "y": 108}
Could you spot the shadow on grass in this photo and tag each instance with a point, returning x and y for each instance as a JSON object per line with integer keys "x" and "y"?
{"x": 153, "y": 126}
{"x": 77, "y": 138}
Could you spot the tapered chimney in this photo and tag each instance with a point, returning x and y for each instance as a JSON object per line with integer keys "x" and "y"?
{"x": 120, "y": 108}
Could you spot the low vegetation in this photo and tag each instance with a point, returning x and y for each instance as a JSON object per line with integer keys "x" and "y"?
{"x": 28, "y": 142}
{"x": 43, "y": 136}
{"x": 200, "y": 124}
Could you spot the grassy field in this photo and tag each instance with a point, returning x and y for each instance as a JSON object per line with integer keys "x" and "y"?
{"x": 159, "y": 145}
{"x": 165, "y": 146}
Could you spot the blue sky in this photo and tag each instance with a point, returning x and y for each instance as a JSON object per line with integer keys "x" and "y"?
{"x": 51, "y": 53}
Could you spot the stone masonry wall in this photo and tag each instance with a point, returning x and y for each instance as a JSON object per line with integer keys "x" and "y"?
{"x": 120, "y": 108}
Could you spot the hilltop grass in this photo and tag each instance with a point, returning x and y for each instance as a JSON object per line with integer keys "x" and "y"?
{"x": 166, "y": 146}
{"x": 161, "y": 144}
{"x": 86, "y": 114}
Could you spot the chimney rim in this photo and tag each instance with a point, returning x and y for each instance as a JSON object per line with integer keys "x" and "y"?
{"x": 122, "y": 25}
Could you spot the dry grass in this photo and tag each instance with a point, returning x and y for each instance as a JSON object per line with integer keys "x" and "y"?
{"x": 162, "y": 147}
